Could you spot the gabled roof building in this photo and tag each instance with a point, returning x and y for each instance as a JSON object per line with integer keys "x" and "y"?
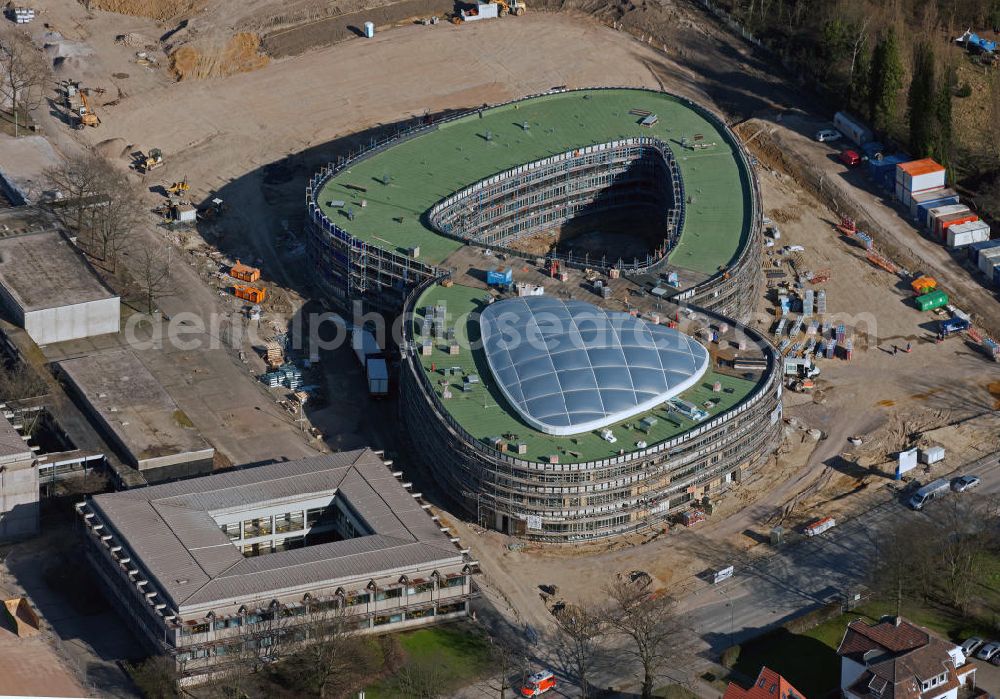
{"x": 895, "y": 659}
{"x": 769, "y": 685}
{"x": 204, "y": 563}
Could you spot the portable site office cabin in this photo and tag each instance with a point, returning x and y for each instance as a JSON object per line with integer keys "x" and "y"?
{"x": 932, "y": 198}
{"x": 987, "y": 260}
{"x": 976, "y": 249}
{"x": 857, "y": 132}
{"x": 956, "y": 219}
{"x": 941, "y": 211}
{"x": 917, "y": 176}
{"x": 968, "y": 233}
{"x": 935, "y": 299}
{"x": 883, "y": 170}
{"x": 944, "y": 197}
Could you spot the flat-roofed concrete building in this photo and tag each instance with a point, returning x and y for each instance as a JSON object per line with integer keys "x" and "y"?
{"x": 48, "y": 289}
{"x": 18, "y": 483}
{"x": 209, "y": 567}
{"x": 137, "y": 415}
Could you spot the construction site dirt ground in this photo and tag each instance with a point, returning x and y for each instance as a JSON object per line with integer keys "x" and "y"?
{"x": 29, "y": 667}
{"x": 254, "y": 139}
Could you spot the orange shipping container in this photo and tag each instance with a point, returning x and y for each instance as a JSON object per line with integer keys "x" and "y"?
{"x": 244, "y": 272}
{"x": 249, "y": 293}
{"x": 915, "y": 168}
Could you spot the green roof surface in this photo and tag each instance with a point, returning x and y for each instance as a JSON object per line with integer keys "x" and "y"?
{"x": 404, "y": 181}
{"x": 484, "y": 413}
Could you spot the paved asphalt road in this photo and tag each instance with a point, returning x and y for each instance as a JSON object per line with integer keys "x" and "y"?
{"x": 765, "y": 593}
{"x": 807, "y": 573}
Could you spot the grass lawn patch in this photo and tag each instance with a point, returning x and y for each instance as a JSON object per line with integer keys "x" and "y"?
{"x": 809, "y": 663}
{"x": 461, "y": 651}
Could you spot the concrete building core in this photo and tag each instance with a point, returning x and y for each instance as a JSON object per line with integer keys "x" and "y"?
{"x": 206, "y": 565}
{"x": 18, "y": 484}
{"x": 137, "y": 415}
{"x": 47, "y": 288}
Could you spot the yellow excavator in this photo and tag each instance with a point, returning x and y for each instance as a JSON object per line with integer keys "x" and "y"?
{"x": 86, "y": 114}
{"x": 178, "y": 188}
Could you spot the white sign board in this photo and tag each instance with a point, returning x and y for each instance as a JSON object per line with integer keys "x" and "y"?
{"x": 534, "y": 522}
{"x": 907, "y": 462}
{"x": 722, "y": 574}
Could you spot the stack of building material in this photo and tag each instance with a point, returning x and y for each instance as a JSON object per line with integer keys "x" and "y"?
{"x": 917, "y": 176}
{"x": 23, "y": 15}
{"x": 274, "y": 355}
{"x": 272, "y": 379}
{"x": 991, "y": 348}
{"x": 286, "y": 375}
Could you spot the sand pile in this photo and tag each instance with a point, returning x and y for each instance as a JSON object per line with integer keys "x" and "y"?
{"x": 240, "y": 55}
{"x": 155, "y": 9}
{"x": 133, "y": 40}
{"x": 113, "y": 149}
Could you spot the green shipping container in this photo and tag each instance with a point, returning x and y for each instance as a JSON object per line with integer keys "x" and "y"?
{"x": 935, "y": 299}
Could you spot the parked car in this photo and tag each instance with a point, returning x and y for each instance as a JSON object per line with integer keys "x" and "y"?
{"x": 963, "y": 483}
{"x": 824, "y": 135}
{"x": 971, "y": 645}
{"x": 850, "y": 158}
{"x": 989, "y": 651}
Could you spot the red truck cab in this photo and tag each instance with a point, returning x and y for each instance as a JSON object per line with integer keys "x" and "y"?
{"x": 850, "y": 158}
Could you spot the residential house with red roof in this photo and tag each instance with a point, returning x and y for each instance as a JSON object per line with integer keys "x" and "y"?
{"x": 769, "y": 685}
{"x": 894, "y": 659}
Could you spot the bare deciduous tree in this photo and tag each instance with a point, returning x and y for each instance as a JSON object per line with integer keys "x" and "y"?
{"x": 75, "y": 181}
{"x": 647, "y": 620}
{"x": 994, "y": 106}
{"x": 329, "y": 657}
{"x": 98, "y": 202}
{"x": 20, "y": 381}
{"x": 115, "y": 215}
{"x": 422, "y": 678}
{"x": 580, "y": 630}
{"x": 156, "y": 677}
{"x": 151, "y": 270}
{"x": 23, "y": 73}
{"x": 507, "y": 655}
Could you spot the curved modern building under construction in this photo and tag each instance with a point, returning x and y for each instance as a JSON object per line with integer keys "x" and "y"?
{"x": 572, "y": 268}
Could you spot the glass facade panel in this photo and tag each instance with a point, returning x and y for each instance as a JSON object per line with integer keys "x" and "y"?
{"x": 289, "y": 522}
{"x": 256, "y": 527}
